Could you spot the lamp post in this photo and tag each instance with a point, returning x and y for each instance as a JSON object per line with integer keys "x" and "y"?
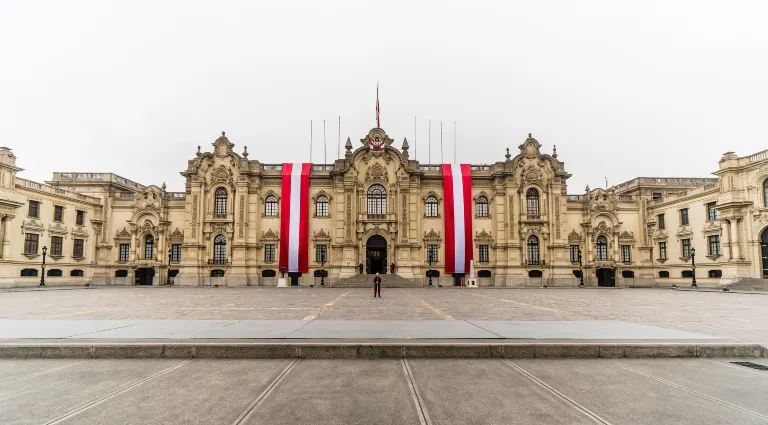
{"x": 168, "y": 278}
{"x": 322, "y": 269}
{"x": 429, "y": 272}
{"x": 42, "y": 275}
{"x": 693, "y": 268}
{"x": 581, "y": 270}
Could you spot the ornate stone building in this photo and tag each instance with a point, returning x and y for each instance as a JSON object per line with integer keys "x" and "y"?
{"x": 376, "y": 207}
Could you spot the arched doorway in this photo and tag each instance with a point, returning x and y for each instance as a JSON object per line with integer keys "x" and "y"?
{"x": 606, "y": 277}
{"x": 764, "y": 252}
{"x": 376, "y": 255}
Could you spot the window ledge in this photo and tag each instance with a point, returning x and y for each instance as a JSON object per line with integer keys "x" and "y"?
{"x": 78, "y": 258}
{"x": 431, "y": 216}
{"x": 662, "y": 260}
{"x": 56, "y": 257}
{"x": 686, "y": 259}
{"x": 483, "y": 216}
{"x": 321, "y": 216}
{"x": 714, "y": 257}
{"x": 31, "y": 256}
{"x": 121, "y": 262}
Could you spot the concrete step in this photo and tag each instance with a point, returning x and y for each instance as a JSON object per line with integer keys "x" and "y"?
{"x": 750, "y": 284}
{"x": 387, "y": 281}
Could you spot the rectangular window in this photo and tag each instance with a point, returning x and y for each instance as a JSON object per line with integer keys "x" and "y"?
{"x": 77, "y": 250}
{"x": 656, "y": 195}
{"x": 124, "y": 252}
{"x": 34, "y": 209}
{"x": 30, "y": 243}
{"x": 711, "y": 211}
{"x": 662, "y": 225}
{"x": 483, "y": 251}
{"x": 684, "y": 217}
{"x": 321, "y": 253}
{"x": 269, "y": 253}
{"x": 714, "y": 244}
{"x": 662, "y": 250}
{"x": 686, "y": 245}
{"x": 58, "y": 213}
{"x": 574, "y": 253}
{"x": 626, "y": 254}
{"x": 432, "y": 253}
{"x": 80, "y": 218}
{"x": 176, "y": 253}
{"x": 57, "y": 243}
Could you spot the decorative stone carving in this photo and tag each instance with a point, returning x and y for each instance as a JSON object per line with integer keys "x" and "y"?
{"x": 269, "y": 235}
{"x": 574, "y": 238}
{"x": 557, "y": 217}
{"x": 348, "y": 218}
{"x": 376, "y": 140}
{"x": 600, "y": 200}
{"x": 601, "y": 229}
{"x": 483, "y": 236}
{"x": 404, "y": 219}
{"x": 177, "y": 235}
{"x": 222, "y": 147}
{"x": 432, "y": 235}
{"x": 123, "y": 234}
{"x": 376, "y": 174}
{"x": 80, "y": 232}
{"x": 684, "y": 232}
{"x": 511, "y": 216}
{"x": 150, "y": 198}
{"x": 57, "y": 228}
{"x": 241, "y": 220}
{"x": 321, "y": 236}
{"x": 530, "y": 148}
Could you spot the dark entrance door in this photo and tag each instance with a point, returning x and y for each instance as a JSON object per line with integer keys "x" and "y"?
{"x": 764, "y": 252}
{"x": 144, "y": 276}
{"x": 376, "y": 255}
{"x": 294, "y": 278}
{"x": 606, "y": 277}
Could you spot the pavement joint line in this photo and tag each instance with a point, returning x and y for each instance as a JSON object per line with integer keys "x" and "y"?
{"x": 433, "y": 309}
{"x": 480, "y": 327}
{"x": 700, "y": 394}
{"x": 590, "y": 414}
{"x": 103, "y": 330}
{"x": 40, "y": 373}
{"x": 257, "y": 401}
{"x": 120, "y": 391}
{"x": 515, "y": 302}
{"x": 314, "y": 313}
{"x": 421, "y": 409}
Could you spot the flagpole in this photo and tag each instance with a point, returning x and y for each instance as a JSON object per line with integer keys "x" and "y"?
{"x": 338, "y": 144}
{"x": 415, "y": 149}
{"x": 310, "y": 142}
{"x": 442, "y": 160}
{"x": 325, "y": 146}
{"x": 429, "y": 145}
{"x": 454, "y": 142}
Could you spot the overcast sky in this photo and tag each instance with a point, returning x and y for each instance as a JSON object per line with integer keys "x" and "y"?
{"x": 624, "y": 89}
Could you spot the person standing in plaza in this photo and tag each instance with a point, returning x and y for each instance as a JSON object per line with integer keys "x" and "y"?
{"x": 377, "y": 285}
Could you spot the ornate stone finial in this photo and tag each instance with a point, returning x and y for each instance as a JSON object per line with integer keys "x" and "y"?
{"x": 245, "y": 151}
{"x": 554, "y": 151}
{"x": 587, "y": 189}
{"x": 163, "y": 186}
{"x": 529, "y": 135}
{"x": 405, "y": 144}
{"x": 198, "y": 151}
{"x": 348, "y": 145}
{"x": 508, "y": 155}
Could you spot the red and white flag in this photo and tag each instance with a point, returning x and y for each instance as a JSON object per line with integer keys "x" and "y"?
{"x": 294, "y": 218}
{"x": 457, "y": 188}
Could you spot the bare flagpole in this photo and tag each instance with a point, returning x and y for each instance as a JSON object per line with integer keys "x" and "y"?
{"x": 338, "y": 144}
{"x": 454, "y": 142}
{"x": 415, "y": 149}
{"x": 442, "y": 160}
{"x": 325, "y": 146}
{"x": 310, "y": 142}
{"x": 429, "y": 143}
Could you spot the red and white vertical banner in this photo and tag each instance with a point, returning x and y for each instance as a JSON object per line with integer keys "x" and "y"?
{"x": 457, "y": 188}
{"x": 294, "y": 218}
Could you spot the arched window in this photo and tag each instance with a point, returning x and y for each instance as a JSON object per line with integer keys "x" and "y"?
{"x": 431, "y": 205}
{"x": 220, "y": 202}
{"x": 321, "y": 209}
{"x": 78, "y": 273}
{"x": 482, "y": 206}
{"x": 532, "y": 202}
{"x": 602, "y": 248}
{"x": 220, "y": 250}
{"x": 765, "y": 193}
{"x": 54, "y": 273}
{"x": 149, "y": 248}
{"x": 270, "y": 206}
{"x": 377, "y": 200}
{"x": 533, "y": 250}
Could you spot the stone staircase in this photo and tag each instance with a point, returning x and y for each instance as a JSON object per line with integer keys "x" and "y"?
{"x": 750, "y": 284}
{"x": 387, "y": 281}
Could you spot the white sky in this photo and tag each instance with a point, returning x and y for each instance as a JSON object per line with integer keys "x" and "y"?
{"x": 624, "y": 89}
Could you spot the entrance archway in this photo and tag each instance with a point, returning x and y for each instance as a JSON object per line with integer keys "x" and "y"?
{"x": 376, "y": 255}
{"x": 144, "y": 276}
{"x": 606, "y": 277}
{"x": 764, "y": 252}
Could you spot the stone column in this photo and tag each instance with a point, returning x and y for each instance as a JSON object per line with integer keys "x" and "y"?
{"x": 3, "y": 226}
{"x": 735, "y": 238}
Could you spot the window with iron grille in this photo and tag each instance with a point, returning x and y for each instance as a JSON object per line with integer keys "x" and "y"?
{"x": 684, "y": 217}
{"x": 626, "y": 255}
{"x": 34, "y": 209}
{"x": 149, "y": 247}
{"x": 269, "y": 252}
{"x": 711, "y": 211}
{"x": 601, "y": 253}
{"x": 57, "y": 245}
{"x": 431, "y": 206}
{"x": 662, "y": 250}
{"x": 662, "y": 225}
{"x": 80, "y": 218}
{"x": 765, "y": 193}
{"x": 533, "y": 250}
{"x": 714, "y": 244}
{"x": 377, "y": 200}
{"x": 686, "y": 244}
{"x": 58, "y": 213}
{"x": 220, "y": 250}
{"x": 78, "y": 248}
{"x": 124, "y": 252}
{"x": 270, "y": 206}
{"x": 176, "y": 252}
{"x": 575, "y": 253}
{"x": 482, "y": 206}
{"x": 484, "y": 253}
{"x": 321, "y": 253}
{"x": 220, "y": 199}
{"x": 321, "y": 209}
{"x": 532, "y": 202}
{"x": 30, "y": 243}
{"x": 432, "y": 253}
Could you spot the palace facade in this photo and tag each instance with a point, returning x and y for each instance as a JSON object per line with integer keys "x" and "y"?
{"x": 376, "y": 209}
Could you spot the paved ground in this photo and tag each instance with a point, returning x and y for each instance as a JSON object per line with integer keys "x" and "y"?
{"x": 295, "y": 392}
{"x": 740, "y": 317}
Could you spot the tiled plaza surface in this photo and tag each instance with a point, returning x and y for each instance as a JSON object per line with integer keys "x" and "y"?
{"x": 418, "y": 391}
{"x": 741, "y": 317}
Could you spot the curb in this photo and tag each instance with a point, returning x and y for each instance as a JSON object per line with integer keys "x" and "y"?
{"x": 393, "y": 350}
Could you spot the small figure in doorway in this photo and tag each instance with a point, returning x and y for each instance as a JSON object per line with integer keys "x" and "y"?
{"x": 360, "y": 267}
{"x": 377, "y": 286}
{"x": 392, "y": 268}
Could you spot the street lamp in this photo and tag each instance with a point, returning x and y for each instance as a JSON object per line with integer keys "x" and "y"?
{"x": 42, "y": 275}
{"x": 322, "y": 269}
{"x": 693, "y": 268}
{"x": 168, "y": 278}
{"x": 581, "y": 270}
{"x": 429, "y": 273}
